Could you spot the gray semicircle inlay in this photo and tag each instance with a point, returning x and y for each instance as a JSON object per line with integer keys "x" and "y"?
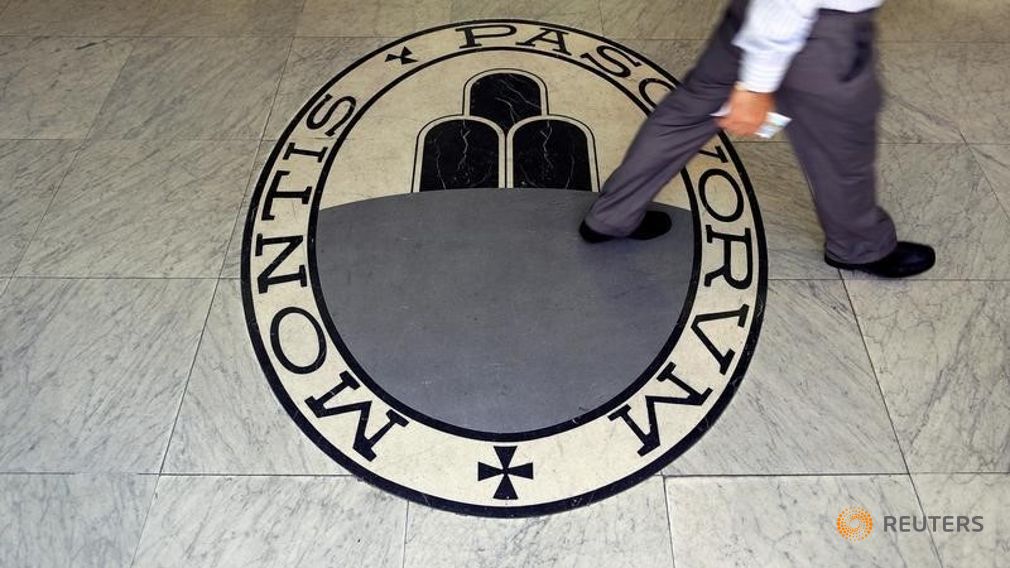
{"x": 485, "y": 310}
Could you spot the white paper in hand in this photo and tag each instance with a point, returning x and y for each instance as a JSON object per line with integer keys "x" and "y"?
{"x": 774, "y": 122}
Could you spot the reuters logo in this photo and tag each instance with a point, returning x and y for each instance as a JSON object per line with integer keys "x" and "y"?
{"x": 854, "y": 523}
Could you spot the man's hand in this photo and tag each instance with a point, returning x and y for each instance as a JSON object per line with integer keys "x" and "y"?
{"x": 747, "y": 112}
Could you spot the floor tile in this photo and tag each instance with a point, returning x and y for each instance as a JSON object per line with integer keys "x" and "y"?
{"x": 194, "y": 88}
{"x": 72, "y": 520}
{"x": 75, "y": 17}
{"x": 795, "y": 239}
{"x": 93, "y": 371}
{"x": 215, "y": 435}
{"x": 271, "y": 521}
{"x": 225, "y": 18}
{"x": 986, "y": 496}
{"x": 805, "y": 406}
{"x": 915, "y": 108}
{"x": 580, "y": 14}
{"x": 628, "y": 529}
{"x": 54, "y": 87}
{"x": 938, "y": 194}
{"x": 30, "y": 172}
{"x": 944, "y": 20}
{"x": 939, "y": 350}
{"x": 790, "y": 521}
{"x": 312, "y": 63}
{"x": 938, "y": 91}
{"x": 995, "y": 162}
{"x": 350, "y": 18}
{"x": 154, "y": 209}
{"x": 678, "y": 19}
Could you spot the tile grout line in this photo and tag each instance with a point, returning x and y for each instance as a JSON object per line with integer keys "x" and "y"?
{"x": 143, "y": 526}
{"x": 669, "y": 522}
{"x": 189, "y": 377}
{"x": 922, "y": 509}
{"x": 100, "y": 277}
{"x": 83, "y": 143}
{"x": 238, "y": 217}
{"x": 252, "y": 167}
{"x": 887, "y": 410}
{"x": 45, "y": 212}
{"x": 796, "y": 475}
{"x": 108, "y": 94}
{"x": 992, "y": 186}
{"x": 277, "y": 89}
{"x": 351, "y": 476}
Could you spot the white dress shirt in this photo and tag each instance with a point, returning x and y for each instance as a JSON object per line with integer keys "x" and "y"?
{"x": 774, "y": 31}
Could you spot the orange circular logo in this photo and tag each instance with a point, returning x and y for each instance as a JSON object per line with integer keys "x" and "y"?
{"x": 854, "y": 523}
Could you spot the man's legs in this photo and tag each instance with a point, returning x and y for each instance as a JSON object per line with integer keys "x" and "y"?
{"x": 833, "y": 97}
{"x": 679, "y": 126}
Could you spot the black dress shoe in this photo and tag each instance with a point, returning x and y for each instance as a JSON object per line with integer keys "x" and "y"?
{"x": 907, "y": 259}
{"x": 654, "y": 224}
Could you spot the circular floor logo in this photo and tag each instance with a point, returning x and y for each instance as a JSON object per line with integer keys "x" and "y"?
{"x": 421, "y": 303}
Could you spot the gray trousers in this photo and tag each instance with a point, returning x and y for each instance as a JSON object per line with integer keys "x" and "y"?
{"x": 831, "y": 93}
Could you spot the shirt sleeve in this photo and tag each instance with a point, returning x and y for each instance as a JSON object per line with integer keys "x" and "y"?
{"x": 774, "y": 31}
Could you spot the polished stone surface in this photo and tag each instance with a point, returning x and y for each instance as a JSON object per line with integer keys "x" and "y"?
{"x": 627, "y": 530}
{"x": 995, "y": 162}
{"x": 224, "y": 18}
{"x": 809, "y": 403}
{"x": 939, "y": 352}
{"x": 582, "y": 14}
{"x": 30, "y": 172}
{"x": 104, "y": 374}
{"x": 93, "y": 371}
{"x": 969, "y": 495}
{"x": 78, "y": 18}
{"x": 72, "y": 520}
{"x": 143, "y": 209}
{"x": 194, "y": 88}
{"x": 271, "y": 521}
{"x": 790, "y": 521}
{"x": 944, "y": 20}
{"x": 313, "y": 62}
{"x": 230, "y": 421}
{"x": 675, "y": 56}
{"x": 945, "y": 92}
{"x": 938, "y": 194}
{"x": 350, "y": 18}
{"x": 53, "y": 87}
{"x": 231, "y": 267}
{"x": 644, "y": 19}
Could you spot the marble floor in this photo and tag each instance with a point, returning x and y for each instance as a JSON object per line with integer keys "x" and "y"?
{"x": 136, "y": 427}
